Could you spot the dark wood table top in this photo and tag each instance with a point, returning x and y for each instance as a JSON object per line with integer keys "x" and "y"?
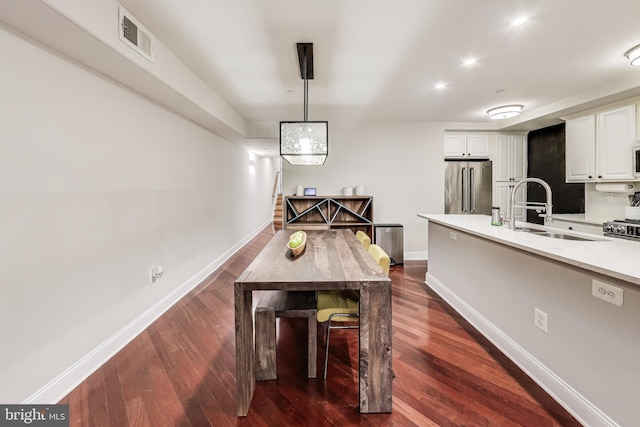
{"x": 332, "y": 259}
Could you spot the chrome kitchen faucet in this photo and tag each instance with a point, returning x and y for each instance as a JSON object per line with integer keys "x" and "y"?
{"x": 538, "y": 206}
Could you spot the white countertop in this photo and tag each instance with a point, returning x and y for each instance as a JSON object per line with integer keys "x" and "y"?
{"x": 613, "y": 257}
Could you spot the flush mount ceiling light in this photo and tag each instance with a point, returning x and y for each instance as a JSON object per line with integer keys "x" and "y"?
{"x": 305, "y": 142}
{"x": 634, "y": 56}
{"x": 504, "y": 112}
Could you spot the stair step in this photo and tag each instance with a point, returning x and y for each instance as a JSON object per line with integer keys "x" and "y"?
{"x": 277, "y": 213}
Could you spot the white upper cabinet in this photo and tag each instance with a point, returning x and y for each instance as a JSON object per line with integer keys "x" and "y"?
{"x": 511, "y": 158}
{"x": 580, "y": 150}
{"x": 598, "y": 146}
{"x": 616, "y": 136}
{"x": 466, "y": 146}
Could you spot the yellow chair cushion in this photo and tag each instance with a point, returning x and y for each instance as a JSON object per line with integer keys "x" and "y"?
{"x": 346, "y": 301}
{"x": 331, "y": 302}
{"x": 381, "y": 257}
{"x": 363, "y": 238}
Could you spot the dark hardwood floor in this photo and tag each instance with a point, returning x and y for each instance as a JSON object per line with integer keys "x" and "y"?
{"x": 181, "y": 370}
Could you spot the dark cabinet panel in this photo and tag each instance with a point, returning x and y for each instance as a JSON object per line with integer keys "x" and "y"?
{"x": 546, "y": 160}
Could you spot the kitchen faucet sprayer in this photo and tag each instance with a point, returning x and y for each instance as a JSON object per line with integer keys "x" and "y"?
{"x": 530, "y": 205}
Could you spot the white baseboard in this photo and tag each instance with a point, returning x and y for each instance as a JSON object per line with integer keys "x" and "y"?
{"x": 416, "y": 255}
{"x": 65, "y": 382}
{"x": 581, "y": 408}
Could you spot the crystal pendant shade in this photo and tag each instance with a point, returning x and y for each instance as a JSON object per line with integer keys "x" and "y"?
{"x": 304, "y": 143}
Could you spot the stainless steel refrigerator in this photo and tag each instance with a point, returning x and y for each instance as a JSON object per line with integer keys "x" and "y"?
{"x": 467, "y": 187}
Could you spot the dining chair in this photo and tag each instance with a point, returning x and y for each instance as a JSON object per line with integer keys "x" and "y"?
{"x": 343, "y": 307}
{"x": 363, "y": 238}
{"x": 381, "y": 257}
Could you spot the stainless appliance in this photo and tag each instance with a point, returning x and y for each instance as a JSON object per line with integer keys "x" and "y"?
{"x": 624, "y": 228}
{"x": 390, "y": 238}
{"x": 467, "y": 187}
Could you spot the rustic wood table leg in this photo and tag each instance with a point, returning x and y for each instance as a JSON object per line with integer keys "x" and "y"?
{"x": 245, "y": 349}
{"x": 265, "y": 336}
{"x": 312, "y": 344}
{"x": 376, "y": 372}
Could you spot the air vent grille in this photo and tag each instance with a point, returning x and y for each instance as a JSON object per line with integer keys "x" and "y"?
{"x": 132, "y": 33}
{"x": 130, "y": 30}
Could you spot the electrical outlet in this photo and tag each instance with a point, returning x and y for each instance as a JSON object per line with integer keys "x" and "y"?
{"x": 155, "y": 273}
{"x": 452, "y": 235}
{"x": 540, "y": 319}
{"x": 606, "y": 292}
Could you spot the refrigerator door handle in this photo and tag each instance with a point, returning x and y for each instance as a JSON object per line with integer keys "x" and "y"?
{"x": 472, "y": 190}
{"x": 464, "y": 188}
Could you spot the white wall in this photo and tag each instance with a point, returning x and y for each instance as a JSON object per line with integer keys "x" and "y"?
{"x": 97, "y": 185}
{"x": 400, "y": 164}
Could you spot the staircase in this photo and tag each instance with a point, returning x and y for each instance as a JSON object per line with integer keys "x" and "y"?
{"x": 277, "y": 214}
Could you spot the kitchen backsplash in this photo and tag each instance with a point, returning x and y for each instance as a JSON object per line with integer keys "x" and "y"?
{"x": 601, "y": 206}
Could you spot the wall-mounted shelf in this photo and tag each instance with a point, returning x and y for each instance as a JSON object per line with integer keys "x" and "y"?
{"x": 354, "y": 212}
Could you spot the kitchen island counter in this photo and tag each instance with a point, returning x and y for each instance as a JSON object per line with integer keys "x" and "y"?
{"x": 539, "y": 300}
{"x": 613, "y": 257}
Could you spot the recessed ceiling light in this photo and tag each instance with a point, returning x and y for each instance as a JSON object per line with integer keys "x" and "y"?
{"x": 504, "y": 112}
{"x": 440, "y": 85}
{"x": 519, "y": 21}
{"x": 469, "y": 62}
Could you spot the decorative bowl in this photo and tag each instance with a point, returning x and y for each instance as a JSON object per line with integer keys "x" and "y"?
{"x": 298, "y": 249}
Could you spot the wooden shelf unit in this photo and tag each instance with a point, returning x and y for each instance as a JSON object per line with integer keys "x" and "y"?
{"x": 314, "y": 212}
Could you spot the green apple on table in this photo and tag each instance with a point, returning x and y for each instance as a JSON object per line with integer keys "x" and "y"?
{"x": 295, "y": 239}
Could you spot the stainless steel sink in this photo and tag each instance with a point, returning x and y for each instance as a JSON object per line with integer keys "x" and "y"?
{"x": 555, "y": 234}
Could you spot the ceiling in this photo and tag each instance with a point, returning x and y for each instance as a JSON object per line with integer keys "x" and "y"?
{"x": 378, "y": 60}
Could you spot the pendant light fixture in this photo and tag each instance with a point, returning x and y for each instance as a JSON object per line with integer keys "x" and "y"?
{"x": 304, "y": 142}
{"x": 504, "y": 112}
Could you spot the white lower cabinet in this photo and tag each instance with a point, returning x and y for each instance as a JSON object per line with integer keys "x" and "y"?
{"x": 502, "y": 195}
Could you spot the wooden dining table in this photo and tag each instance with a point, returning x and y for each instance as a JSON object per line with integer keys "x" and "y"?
{"x": 332, "y": 260}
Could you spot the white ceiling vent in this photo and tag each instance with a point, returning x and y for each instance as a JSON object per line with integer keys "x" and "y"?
{"x": 134, "y": 34}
